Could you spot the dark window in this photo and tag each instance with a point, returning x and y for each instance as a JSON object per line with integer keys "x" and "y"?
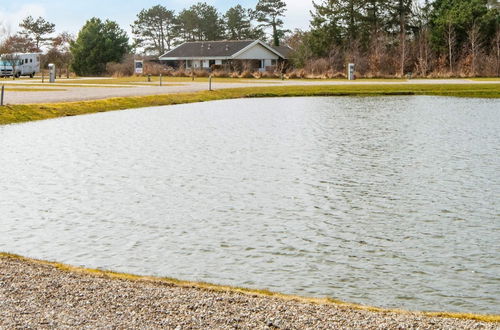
{"x": 211, "y": 62}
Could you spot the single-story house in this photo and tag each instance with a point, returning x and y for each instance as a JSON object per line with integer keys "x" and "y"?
{"x": 252, "y": 54}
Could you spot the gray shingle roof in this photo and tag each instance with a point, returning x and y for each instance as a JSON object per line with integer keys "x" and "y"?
{"x": 283, "y": 50}
{"x": 208, "y": 49}
{"x": 213, "y": 49}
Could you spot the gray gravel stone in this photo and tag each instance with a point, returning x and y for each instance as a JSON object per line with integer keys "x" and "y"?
{"x": 38, "y": 295}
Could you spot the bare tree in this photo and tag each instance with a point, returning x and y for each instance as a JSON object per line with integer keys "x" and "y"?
{"x": 475, "y": 44}
{"x": 450, "y": 35}
{"x": 59, "y": 53}
{"x": 496, "y": 47}
{"x": 424, "y": 52}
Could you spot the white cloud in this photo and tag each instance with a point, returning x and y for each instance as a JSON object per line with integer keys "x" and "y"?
{"x": 9, "y": 20}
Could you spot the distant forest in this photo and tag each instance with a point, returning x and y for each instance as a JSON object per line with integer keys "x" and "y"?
{"x": 384, "y": 38}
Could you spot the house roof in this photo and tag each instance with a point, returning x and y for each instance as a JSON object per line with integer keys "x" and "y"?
{"x": 225, "y": 49}
{"x": 283, "y": 50}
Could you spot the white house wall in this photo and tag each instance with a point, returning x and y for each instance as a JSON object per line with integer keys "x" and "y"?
{"x": 257, "y": 52}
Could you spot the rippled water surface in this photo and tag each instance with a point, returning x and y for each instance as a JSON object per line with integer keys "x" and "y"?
{"x": 393, "y": 202}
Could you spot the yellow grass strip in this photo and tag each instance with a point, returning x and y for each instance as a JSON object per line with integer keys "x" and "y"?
{"x": 29, "y": 112}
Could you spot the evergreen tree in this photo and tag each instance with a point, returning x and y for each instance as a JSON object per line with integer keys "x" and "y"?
{"x": 187, "y": 25}
{"x": 153, "y": 29}
{"x": 97, "y": 44}
{"x": 201, "y": 22}
{"x": 37, "y": 30}
{"x": 210, "y": 25}
{"x": 337, "y": 20}
{"x": 269, "y": 13}
{"x": 452, "y": 22}
{"x": 238, "y": 23}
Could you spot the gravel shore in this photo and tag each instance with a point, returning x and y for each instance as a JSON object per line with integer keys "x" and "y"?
{"x": 36, "y": 294}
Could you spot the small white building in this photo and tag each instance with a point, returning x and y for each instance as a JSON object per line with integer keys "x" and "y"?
{"x": 207, "y": 54}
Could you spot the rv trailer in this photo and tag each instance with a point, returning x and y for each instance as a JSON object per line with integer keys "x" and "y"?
{"x": 19, "y": 65}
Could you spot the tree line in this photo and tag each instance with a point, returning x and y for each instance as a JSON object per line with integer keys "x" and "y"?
{"x": 397, "y": 37}
{"x": 155, "y": 31}
{"x": 382, "y": 37}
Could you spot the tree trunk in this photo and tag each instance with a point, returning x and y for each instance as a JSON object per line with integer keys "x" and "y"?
{"x": 276, "y": 38}
{"x": 497, "y": 45}
{"x": 475, "y": 44}
{"x": 351, "y": 22}
{"x": 451, "y": 41}
{"x": 402, "y": 37}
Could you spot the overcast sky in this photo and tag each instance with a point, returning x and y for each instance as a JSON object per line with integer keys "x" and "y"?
{"x": 71, "y": 15}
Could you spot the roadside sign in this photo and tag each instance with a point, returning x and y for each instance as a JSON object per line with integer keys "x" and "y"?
{"x": 139, "y": 66}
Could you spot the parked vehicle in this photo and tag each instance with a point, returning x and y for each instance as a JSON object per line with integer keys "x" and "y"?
{"x": 20, "y": 65}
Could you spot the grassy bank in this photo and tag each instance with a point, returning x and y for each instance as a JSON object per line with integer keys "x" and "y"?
{"x": 29, "y": 112}
{"x": 252, "y": 292}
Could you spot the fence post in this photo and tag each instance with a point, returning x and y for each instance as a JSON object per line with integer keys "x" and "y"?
{"x": 2, "y": 93}
{"x": 210, "y": 83}
{"x": 160, "y": 80}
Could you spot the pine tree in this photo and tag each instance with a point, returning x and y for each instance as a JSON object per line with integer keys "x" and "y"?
{"x": 269, "y": 13}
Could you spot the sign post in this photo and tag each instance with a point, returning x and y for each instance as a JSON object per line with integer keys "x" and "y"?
{"x": 52, "y": 73}
{"x": 350, "y": 71}
{"x": 139, "y": 66}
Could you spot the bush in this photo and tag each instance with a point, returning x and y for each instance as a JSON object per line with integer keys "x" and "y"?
{"x": 117, "y": 70}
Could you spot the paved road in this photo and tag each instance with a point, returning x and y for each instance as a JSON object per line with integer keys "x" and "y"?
{"x": 94, "y": 92}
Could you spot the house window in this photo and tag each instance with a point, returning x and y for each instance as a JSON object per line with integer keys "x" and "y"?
{"x": 211, "y": 62}
{"x": 274, "y": 62}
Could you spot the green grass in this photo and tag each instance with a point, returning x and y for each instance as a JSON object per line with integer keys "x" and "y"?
{"x": 485, "y": 79}
{"x": 28, "y": 112}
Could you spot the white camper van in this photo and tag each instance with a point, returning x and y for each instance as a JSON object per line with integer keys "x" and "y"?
{"x": 19, "y": 65}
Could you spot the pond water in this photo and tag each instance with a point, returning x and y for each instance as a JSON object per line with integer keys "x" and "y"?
{"x": 388, "y": 201}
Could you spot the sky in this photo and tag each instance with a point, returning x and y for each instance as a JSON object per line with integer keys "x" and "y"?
{"x": 71, "y": 15}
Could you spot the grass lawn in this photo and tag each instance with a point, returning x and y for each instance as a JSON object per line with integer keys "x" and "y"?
{"x": 28, "y": 112}
{"x": 486, "y": 79}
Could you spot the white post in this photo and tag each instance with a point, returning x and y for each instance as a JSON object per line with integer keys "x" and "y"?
{"x": 52, "y": 73}
{"x": 350, "y": 71}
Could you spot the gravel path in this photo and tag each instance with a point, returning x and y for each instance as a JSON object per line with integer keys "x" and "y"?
{"x": 39, "y": 295}
{"x": 101, "y": 92}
